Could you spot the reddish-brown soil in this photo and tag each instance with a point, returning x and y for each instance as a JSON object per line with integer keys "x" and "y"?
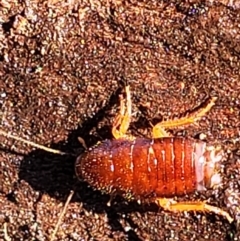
{"x": 63, "y": 65}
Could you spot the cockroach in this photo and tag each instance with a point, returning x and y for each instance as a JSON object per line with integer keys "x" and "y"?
{"x": 153, "y": 170}
{"x": 156, "y": 169}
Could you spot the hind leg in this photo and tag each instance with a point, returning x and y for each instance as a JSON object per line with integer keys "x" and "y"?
{"x": 159, "y": 129}
{"x": 198, "y": 206}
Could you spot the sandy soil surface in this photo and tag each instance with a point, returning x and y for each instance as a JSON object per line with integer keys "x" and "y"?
{"x": 63, "y": 65}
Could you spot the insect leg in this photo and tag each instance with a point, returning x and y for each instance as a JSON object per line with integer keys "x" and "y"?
{"x": 199, "y": 206}
{"x": 123, "y": 119}
{"x": 159, "y": 129}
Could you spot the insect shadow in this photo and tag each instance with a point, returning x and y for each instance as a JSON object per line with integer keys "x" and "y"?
{"x": 54, "y": 174}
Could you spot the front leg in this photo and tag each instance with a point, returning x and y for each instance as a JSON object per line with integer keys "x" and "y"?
{"x": 123, "y": 119}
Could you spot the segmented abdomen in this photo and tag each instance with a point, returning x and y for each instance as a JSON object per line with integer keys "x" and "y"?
{"x": 162, "y": 167}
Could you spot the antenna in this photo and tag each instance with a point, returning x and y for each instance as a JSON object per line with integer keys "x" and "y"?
{"x": 30, "y": 143}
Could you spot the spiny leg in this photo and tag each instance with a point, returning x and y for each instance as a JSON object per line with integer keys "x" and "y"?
{"x": 198, "y": 206}
{"x": 123, "y": 119}
{"x": 159, "y": 129}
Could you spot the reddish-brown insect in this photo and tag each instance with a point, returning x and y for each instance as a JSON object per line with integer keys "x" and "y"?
{"x": 154, "y": 169}
{"x": 149, "y": 168}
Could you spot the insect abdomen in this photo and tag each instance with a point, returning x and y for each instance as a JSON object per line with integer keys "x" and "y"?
{"x": 162, "y": 167}
{"x": 176, "y": 173}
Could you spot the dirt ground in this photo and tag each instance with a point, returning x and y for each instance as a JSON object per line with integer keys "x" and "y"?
{"x": 63, "y": 65}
